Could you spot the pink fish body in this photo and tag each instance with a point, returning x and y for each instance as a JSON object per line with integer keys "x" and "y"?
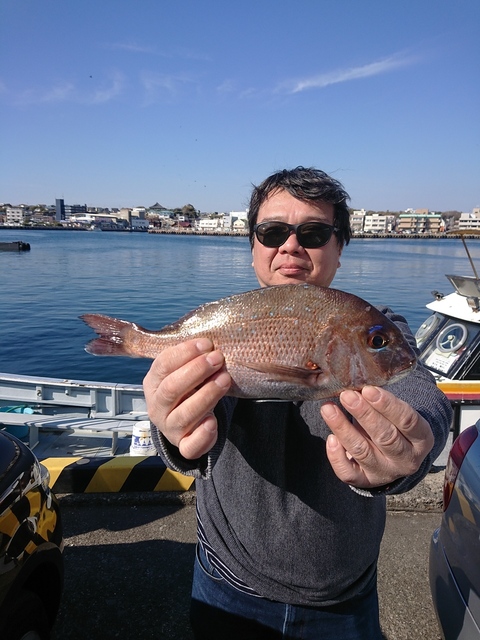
{"x": 288, "y": 342}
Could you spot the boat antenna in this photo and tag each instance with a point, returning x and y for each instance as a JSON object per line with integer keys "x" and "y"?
{"x": 469, "y": 257}
{"x": 462, "y": 233}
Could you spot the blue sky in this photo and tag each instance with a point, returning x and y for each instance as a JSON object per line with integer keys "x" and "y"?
{"x": 126, "y": 103}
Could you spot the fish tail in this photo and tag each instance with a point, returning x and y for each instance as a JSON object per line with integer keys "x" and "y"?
{"x": 112, "y": 335}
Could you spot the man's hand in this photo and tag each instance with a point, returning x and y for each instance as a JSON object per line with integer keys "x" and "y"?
{"x": 183, "y": 386}
{"x": 388, "y": 439}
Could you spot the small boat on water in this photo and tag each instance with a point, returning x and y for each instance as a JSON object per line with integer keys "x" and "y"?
{"x": 14, "y": 246}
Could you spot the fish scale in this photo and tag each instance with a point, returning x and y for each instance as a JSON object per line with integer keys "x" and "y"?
{"x": 288, "y": 342}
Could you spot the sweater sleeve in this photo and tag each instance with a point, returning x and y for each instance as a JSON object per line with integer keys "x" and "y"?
{"x": 200, "y": 468}
{"x": 420, "y": 390}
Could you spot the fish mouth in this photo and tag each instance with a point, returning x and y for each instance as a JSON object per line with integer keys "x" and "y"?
{"x": 407, "y": 369}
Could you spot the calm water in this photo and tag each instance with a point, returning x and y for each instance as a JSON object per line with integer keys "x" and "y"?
{"x": 154, "y": 279}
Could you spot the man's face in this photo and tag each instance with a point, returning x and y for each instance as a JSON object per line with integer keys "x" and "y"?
{"x": 291, "y": 263}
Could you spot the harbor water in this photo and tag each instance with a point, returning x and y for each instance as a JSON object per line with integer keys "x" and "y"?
{"x": 154, "y": 279}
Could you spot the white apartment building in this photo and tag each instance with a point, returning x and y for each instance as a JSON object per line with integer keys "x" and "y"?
{"x": 209, "y": 224}
{"x": 376, "y": 223}
{"x": 469, "y": 220}
{"x": 357, "y": 220}
{"x": 424, "y": 222}
{"x": 16, "y": 216}
{"x": 230, "y": 220}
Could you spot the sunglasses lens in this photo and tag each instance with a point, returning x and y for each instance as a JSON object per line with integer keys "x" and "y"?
{"x": 312, "y": 235}
{"x": 272, "y": 234}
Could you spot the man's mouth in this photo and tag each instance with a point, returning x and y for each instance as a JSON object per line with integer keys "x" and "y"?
{"x": 291, "y": 269}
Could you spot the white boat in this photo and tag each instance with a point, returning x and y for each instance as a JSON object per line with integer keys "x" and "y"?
{"x": 83, "y": 432}
{"x": 449, "y": 343}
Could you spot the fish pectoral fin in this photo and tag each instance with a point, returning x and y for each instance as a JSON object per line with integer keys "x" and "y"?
{"x": 276, "y": 371}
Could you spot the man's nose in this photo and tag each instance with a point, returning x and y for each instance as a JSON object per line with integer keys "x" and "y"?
{"x": 291, "y": 243}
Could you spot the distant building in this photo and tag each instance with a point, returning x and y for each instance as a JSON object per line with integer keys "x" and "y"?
{"x": 415, "y": 223}
{"x": 39, "y": 217}
{"x": 139, "y": 224}
{"x": 97, "y": 219}
{"x": 469, "y": 220}
{"x": 357, "y": 220}
{"x": 124, "y": 214}
{"x": 157, "y": 207}
{"x": 205, "y": 224}
{"x": 70, "y": 209}
{"x": 59, "y": 209}
{"x": 233, "y": 217}
{"x": 376, "y": 223}
{"x": 139, "y": 212}
{"x": 16, "y": 216}
{"x": 240, "y": 224}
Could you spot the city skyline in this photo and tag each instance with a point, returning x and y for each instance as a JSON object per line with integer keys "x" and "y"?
{"x": 177, "y": 208}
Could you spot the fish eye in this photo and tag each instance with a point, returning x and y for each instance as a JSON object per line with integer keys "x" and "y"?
{"x": 376, "y": 340}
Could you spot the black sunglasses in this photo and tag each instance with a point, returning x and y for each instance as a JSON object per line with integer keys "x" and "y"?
{"x": 310, "y": 235}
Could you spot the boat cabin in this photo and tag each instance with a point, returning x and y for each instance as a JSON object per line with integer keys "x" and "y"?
{"x": 449, "y": 344}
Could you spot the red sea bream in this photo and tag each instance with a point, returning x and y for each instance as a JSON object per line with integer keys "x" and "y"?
{"x": 288, "y": 342}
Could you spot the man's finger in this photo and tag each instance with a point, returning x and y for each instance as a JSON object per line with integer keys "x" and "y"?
{"x": 406, "y": 420}
{"x": 174, "y": 358}
{"x": 345, "y": 467}
{"x": 201, "y": 440}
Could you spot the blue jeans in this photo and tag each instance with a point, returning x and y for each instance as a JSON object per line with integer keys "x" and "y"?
{"x": 219, "y": 611}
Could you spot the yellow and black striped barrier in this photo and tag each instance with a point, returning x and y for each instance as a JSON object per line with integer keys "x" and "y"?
{"x": 113, "y": 475}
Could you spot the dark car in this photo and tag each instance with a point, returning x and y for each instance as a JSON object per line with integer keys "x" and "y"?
{"x": 455, "y": 545}
{"x": 31, "y": 545}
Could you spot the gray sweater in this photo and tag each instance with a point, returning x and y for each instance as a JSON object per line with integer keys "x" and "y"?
{"x": 274, "y": 511}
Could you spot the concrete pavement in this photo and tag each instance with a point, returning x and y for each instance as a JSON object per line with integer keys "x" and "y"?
{"x": 129, "y": 557}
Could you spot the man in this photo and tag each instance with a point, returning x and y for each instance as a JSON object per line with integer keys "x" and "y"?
{"x": 291, "y": 495}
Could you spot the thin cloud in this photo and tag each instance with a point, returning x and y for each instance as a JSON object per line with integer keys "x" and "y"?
{"x": 155, "y": 82}
{"x": 132, "y": 47}
{"x": 59, "y": 93}
{"x": 177, "y": 52}
{"x": 55, "y": 94}
{"x": 109, "y": 93}
{"x": 346, "y": 75}
{"x": 68, "y": 92}
{"x": 157, "y": 86}
{"x": 227, "y": 87}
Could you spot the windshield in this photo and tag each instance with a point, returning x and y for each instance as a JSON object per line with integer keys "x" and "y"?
{"x": 449, "y": 347}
